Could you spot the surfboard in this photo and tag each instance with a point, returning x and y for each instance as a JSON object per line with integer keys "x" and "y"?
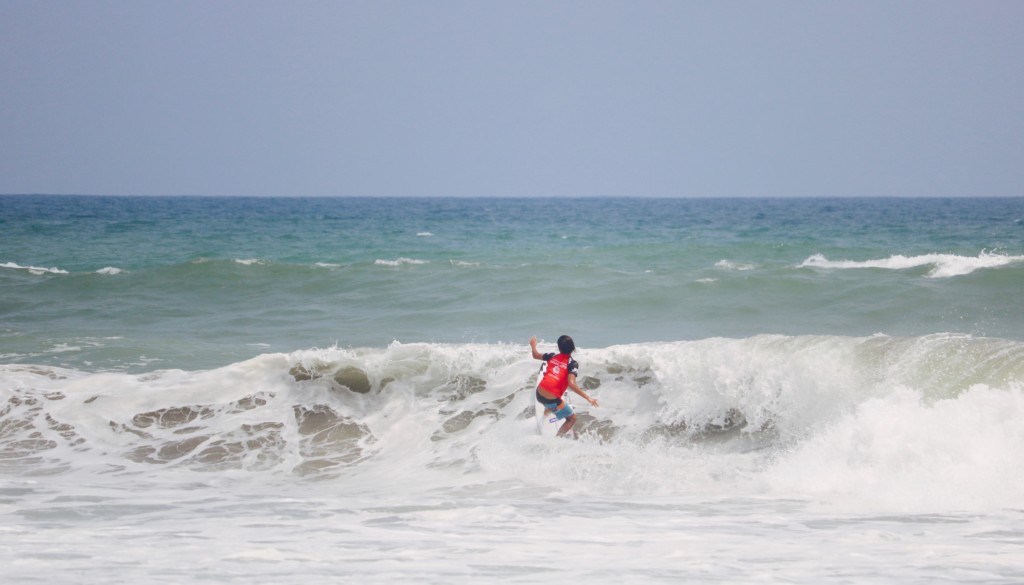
{"x": 547, "y": 423}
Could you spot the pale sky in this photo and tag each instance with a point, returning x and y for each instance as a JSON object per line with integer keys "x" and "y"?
{"x": 517, "y": 98}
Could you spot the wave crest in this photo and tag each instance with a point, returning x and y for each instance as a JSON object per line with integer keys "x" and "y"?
{"x": 684, "y": 415}
{"x": 943, "y": 265}
{"x": 400, "y": 262}
{"x": 33, "y": 269}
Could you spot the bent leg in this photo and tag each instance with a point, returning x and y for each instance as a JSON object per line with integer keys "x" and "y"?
{"x": 567, "y": 426}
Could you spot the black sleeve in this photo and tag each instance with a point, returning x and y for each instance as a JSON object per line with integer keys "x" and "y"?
{"x": 547, "y": 357}
{"x": 574, "y": 367}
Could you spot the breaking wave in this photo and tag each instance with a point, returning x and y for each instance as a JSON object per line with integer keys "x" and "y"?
{"x": 942, "y": 265}
{"x": 932, "y": 422}
{"x": 33, "y": 269}
{"x": 400, "y": 262}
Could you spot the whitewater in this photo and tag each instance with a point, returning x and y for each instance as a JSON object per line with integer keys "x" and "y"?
{"x": 290, "y": 391}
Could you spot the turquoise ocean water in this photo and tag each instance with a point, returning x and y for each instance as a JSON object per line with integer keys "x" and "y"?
{"x": 138, "y": 283}
{"x": 286, "y": 390}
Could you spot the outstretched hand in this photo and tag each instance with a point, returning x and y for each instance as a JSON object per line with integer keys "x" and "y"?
{"x": 533, "y": 348}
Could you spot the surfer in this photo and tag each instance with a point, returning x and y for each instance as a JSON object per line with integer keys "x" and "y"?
{"x": 559, "y": 376}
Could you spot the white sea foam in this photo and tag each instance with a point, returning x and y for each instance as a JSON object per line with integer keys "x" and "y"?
{"x": 702, "y": 454}
{"x": 64, "y": 348}
{"x": 943, "y": 265}
{"x": 249, "y": 261}
{"x": 901, "y": 453}
{"x": 730, "y": 265}
{"x": 109, "y": 271}
{"x": 807, "y": 404}
{"x": 33, "y": 269}
{"x": 424, "y": 234}
{"x": 400, "y": 262}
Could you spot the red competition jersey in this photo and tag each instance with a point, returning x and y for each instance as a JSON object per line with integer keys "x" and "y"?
{"x": 556, "y": 377}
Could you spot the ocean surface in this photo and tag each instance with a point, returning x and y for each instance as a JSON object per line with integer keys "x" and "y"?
{"x": 284, "y": 390}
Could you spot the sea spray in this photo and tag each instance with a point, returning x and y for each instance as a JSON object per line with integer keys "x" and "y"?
{"x": 740, "y": 415}
{"x": 901, "y": 454}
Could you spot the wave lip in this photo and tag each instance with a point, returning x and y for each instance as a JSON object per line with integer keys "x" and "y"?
{"x": 831, "y": 419}
{"x": 730, "y": 265}
{"x": 33, "y": 269}
{"x": 943, "y": 265}
{"x": 400, "y": 262}
{"x": 249, "y": 261}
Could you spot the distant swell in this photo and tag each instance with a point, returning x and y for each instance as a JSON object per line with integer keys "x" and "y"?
{"x": 400, "y": 262}
{"x": 943, "y": 265}
{"x": 33, "y": 269}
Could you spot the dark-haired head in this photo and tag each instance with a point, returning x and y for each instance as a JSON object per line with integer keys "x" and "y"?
{"x": 566, "y": 344}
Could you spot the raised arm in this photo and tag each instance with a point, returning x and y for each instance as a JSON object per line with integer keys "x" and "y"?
{"x": 533, "y": 346}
